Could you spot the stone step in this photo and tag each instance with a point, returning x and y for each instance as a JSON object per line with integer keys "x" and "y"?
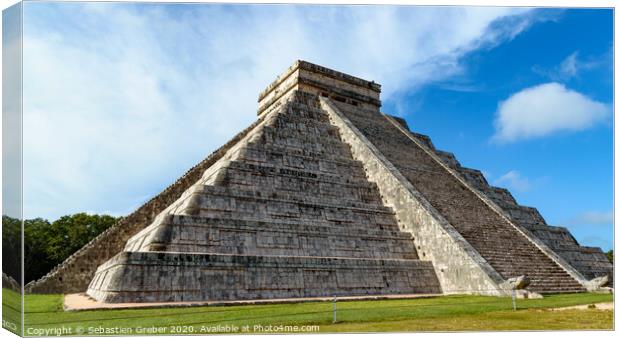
{"x": 540, "y": 257}
{"x": 556, "y": 283}
{"x": 268, "y": 195}
{"x": 306, "y": 133}
{"x": 342, "y": 155}
{"x": 362, "y": 190}
{"x": 350, "y": 175}
{"x": 519, "y": 263}
{"x": 267, "y": 169}
{"x": 550, "y": 278}
{"x": 300, "y": 163}
{"x": 193, "y": 234}
{"x": 512, "y": 255}
{"x": 299, "y": 112}
{"x": 556, "y": 280}
{"x": 511, "y": 266}
{"x": 551, "y": 285}
{"x": 209, "y": 206}
{"x": 508, "y": 270}
{"x": 297, "y": 139}
{"x": 558, "y": 290}
{"x": 541, "y": 276}
{"x": 264, "y": 152}
{"x": 297, "y": 118}
{"x": 311, "y": 121}
{"x": 333, "y": 147}
{"x": 226, "y": 239}
{"x": 167, "y": 277}
{"x": 293, "y": 225}
{"x": 531, "y": 261}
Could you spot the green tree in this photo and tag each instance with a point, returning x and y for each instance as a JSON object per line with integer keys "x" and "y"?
{"x": 610, "y": 255}
{"x": 11, "y": 247}
{"x": 47, "y": 244}
{"x": 70, "y": 233}
{"x": 36, "y": 260}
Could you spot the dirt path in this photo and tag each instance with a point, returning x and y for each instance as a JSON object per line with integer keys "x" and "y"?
{"x": 81, "y": 301}
{"x": 598, "y": 306}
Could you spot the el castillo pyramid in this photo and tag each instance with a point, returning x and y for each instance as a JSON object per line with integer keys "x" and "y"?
{"x": 324, "y": 195}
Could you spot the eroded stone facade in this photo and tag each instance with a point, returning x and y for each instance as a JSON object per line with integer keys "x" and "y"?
{"x": 325, "y": 195}
{"x": 288, "y": 212}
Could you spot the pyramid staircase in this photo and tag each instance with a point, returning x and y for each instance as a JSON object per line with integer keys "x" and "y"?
{"x": 288, "y": 213}
{"x": 501, "y": 243}
{"x": 591, "y": 262}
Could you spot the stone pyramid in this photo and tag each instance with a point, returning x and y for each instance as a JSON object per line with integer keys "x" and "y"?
{"x": 286, "y": 213}
{"x": 324, "y": 195}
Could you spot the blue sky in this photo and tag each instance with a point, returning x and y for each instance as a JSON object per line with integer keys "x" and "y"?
{"x": 566, "y": 174}
{"x": 121, "y": 99}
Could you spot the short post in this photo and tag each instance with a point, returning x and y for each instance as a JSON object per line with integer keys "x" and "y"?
{"x": 514, "y": 300}
{"x": 334, "y": 309}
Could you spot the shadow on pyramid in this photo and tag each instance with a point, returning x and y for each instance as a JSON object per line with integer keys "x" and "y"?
{"x": 325, "y": 196}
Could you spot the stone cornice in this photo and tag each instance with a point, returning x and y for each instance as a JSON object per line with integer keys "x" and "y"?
{"x": 305, "y": 65}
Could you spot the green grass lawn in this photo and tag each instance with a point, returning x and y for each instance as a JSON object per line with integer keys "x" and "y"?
{"x": 11, "y": 310}
{"x": 448, "y": 313}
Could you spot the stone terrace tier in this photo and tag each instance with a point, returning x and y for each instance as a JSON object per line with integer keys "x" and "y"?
{"x": 589, "y": 261}
{"x": 292, "y": 214}
{"x": 176, "y": 277}
{"x": 497, "y": 241}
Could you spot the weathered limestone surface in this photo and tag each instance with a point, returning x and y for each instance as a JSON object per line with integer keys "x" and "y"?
{"x": 287, "y": 212}
{"x": 75, "y": 273}
{"x": 321, "y": 81}
{"x": 505, "y": 247}
{"x": 589, "y": 261}
{"x": 157, "y": 277}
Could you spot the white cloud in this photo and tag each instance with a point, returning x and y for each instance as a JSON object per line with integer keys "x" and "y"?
{"x": 120, "y": 99}
{"x": 545, "y": 109}
{"x": 514, "y": 180}
{"x": 569, "y": 67}
{"x": 574, "y": 65}
{"x": 593, "y": 218}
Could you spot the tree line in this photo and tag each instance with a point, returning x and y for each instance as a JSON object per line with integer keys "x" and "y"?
{"x": 47, "y": 244}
